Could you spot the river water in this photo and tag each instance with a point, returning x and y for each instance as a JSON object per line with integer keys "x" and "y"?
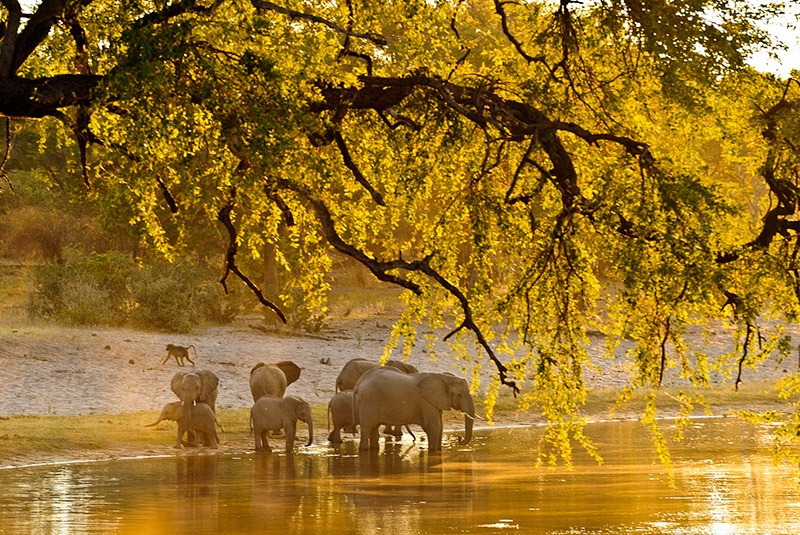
{"x": 723, "y": 482}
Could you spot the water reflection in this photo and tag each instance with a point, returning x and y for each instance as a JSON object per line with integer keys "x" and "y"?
{"x": 723, "y": 483}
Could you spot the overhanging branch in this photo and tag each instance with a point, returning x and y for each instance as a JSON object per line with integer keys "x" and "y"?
{"x": 224, "y": 216}
{"x": 270, "y": 6}
{"x": 381, "y": 269}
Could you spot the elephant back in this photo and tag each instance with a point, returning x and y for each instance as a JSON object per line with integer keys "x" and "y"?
{"x": 267, "y": 379}
{"x": 355, "y": 368}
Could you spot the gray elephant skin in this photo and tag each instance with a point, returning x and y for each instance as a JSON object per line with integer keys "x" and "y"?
{"x": 271, "y": 413}
{"x": 385, "y": 396}
{"x": 353, "y": 369}
{"x": 203, "y": 422}
{"x": 340, "y": 412}
{"x": 272, "y": 379}
{"x": 191, "y": 387}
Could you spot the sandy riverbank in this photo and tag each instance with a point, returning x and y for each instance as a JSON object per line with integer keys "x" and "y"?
{"x": 53, "y": 370}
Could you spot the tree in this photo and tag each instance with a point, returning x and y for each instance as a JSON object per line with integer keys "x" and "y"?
{"x": 500, "y": 162}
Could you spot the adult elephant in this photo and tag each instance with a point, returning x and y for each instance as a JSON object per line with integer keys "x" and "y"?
{"x": 386, "y": 396}
{"x": 191, "y": 387}
{"x": 272, "y": 379}
{"x": 353, "y": 369}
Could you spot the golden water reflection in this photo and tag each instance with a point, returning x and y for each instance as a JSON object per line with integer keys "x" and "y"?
{"x": 723, "y": 483}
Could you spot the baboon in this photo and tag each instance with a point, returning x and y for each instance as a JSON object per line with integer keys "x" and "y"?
{"x": 180, "y": 353}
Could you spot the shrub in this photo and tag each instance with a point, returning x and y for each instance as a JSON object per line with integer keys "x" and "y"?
{"x": 164, "y": 295}
{"x": 111, "y": 289}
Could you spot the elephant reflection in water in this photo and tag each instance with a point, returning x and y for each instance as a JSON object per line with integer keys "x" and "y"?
{"x": 387, "y": 396}
{"x": 396, "y": 459}
{"x": 197, "y": 491}
{"x": 276, "y": 467}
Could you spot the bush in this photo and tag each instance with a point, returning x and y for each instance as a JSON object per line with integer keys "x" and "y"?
{"x": 111, "y": 289}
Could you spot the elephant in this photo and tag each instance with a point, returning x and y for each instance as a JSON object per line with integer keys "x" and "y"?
{"x": 340, "y": 410}
{"x": 355, "y": 368}
{"x": 384, "y": 396}
{"x": 352, "y": 371}
{"x": 191, "y": 387}
{"x": 271, "y": 413}
{"x": 203, "y": 422}
{"x": 272, "y": 379}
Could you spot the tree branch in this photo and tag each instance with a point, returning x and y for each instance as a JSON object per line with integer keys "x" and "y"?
{"x": 171, "y": 11}
{"x": 41, "y": 97}
{"x": 381, "y": 270}
{"x": 359, "y": 176}
{"x": 747, "y": 337}
{"x": 224, "y": 216}
{"x": 7, "y": 154}
{"x": 499, "y": 7}
{"x": 270, "y": 6}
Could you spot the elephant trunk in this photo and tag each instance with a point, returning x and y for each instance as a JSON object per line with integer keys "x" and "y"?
{"x": 310, "y": 432}
{"x": 469, "y": 420}
{"x": 187, "y": 417}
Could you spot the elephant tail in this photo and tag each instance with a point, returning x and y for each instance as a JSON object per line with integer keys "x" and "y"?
{"x": 218, "y": 424}
{"x": 355, "y": 408}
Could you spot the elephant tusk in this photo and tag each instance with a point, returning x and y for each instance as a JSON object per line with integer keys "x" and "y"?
{"x": 473, "y": 418}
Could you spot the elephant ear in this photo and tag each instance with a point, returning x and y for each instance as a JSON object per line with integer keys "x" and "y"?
{"x": 210, "y": 383}
{"x": 434, "y": 389}
{"x": 257, "y": 366}
{"x": 297, "y": 407}
{"x": 290, "y": 370}
{"x": 176, "y": 382}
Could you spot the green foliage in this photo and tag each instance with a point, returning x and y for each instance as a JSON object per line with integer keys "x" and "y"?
{"x": 111, "y": 289}
{"x": 525, "y": 171}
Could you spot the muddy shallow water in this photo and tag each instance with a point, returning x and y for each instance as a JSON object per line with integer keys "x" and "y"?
{"x": 723, "y": 482}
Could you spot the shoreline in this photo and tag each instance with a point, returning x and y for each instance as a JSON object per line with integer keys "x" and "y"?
{"x": 320, "y": 446}
{"x": 116, "y": 374}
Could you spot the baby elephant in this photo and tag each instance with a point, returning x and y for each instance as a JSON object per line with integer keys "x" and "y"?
{"x": 203, "y": 422}
{"x": 340, "y": 410}
{"x": 271, "y": 413}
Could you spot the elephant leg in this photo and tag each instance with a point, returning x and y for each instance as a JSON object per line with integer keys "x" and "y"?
{"x": 366, "y": 431}
{"x": 262, "y": 444}
{"x": 434, "y": 440}
{"x": 290, "y": 433}
{"x": 335, "y": 436}
{"x": 433, "y": 430}
{"x": 374, "y": 439}
{"x": 181, "y": 431}
{"x": 438, "y": 431}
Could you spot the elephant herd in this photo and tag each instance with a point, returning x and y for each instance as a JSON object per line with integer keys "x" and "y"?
{"x": 367, "y": 395}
